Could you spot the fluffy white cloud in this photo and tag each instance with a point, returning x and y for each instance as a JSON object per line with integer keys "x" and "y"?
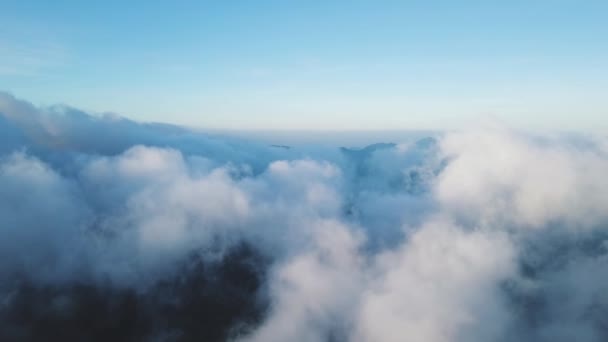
{"x": 442, "y": 285}
{"x": 501, "y": 177}
{"x": 42, "y": 223}
{"x": 313, "y": 294}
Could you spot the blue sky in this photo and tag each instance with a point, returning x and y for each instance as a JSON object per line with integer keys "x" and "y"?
{"x": 353, "y": 65}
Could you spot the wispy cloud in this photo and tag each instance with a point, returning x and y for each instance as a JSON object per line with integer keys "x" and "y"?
{"x": 31, "y": 58}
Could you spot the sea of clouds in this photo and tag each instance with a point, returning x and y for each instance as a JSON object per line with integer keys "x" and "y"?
{"x": 116, "y": 230}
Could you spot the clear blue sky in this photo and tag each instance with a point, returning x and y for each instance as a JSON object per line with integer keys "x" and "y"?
{"x": 314, "y": 64}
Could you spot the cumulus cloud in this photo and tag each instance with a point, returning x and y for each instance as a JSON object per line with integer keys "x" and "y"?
{"x": 440, "y": 286}
{"x": 113, "y": 229}
{"x": 508, "y": 178}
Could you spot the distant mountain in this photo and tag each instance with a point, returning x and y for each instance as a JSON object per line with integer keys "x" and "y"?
{"x": 366, "y": 151}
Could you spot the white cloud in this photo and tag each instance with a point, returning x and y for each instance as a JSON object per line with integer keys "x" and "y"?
{"x": 481, "y": 235}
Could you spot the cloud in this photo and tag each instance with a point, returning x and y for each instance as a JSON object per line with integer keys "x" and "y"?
{"x": 507, "y": 178}
{"x": 315, "y": 288}
{"x": 42, "y": 221}
{"x": 440, "y": 286}
{"x": 158, "y": 232}
{"x": 23, "y": 60}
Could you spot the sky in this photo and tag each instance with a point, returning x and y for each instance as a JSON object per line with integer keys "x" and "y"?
{"x": 314, "y": 65}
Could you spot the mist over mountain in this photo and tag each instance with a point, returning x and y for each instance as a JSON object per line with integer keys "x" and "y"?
{"x": 112, "y": 229}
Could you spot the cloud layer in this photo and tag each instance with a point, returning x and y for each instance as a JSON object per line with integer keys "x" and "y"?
{"x": 113, "y": 229}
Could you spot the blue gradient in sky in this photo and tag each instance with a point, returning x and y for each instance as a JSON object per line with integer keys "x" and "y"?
{"x": 314, "y": 64}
